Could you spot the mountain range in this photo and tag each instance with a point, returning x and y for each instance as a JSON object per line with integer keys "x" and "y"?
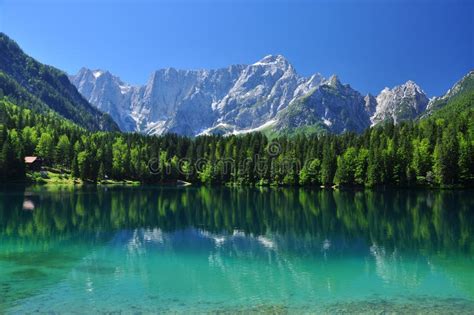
{"x": 268, "y": 95}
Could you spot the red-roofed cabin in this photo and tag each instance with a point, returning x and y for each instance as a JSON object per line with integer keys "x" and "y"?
{"x": 33, "y": 163}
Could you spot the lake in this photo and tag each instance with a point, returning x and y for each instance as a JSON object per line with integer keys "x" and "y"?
{"x": 198, "y": 249}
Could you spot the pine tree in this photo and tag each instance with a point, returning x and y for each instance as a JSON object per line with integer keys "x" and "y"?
{"x": 466, "y": 160}
{"x": 362, "y": 161}
{"x": 75, "y": 168}
{"x": 45, "y": 147}
{"x": 328, "y": 165}
{"x": 101, "y": 173}
{"x": 62, "y": 151}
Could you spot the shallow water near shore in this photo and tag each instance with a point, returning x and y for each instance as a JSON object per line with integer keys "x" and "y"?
{"x": 227, "y": 250}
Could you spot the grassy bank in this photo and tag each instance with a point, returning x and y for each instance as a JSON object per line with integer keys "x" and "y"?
{"x": 57, "y": 177}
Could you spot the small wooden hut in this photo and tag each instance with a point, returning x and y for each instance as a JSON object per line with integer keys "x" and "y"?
{"x": 33, "y": 163}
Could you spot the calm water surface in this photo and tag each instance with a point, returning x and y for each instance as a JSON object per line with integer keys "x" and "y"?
{"x": 158, "y": 249}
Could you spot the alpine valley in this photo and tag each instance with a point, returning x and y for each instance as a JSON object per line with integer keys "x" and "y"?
{"x": 253, "y": 188}
{"x": 268, "y": 95}
{"x": 337, "y": 135}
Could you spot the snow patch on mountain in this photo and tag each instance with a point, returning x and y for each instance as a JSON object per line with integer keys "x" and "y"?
{"x": 97, "y": 73}
{"x": 262, "y": 127}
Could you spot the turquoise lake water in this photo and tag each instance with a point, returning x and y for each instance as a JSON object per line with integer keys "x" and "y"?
{"x": 224, "y": 250}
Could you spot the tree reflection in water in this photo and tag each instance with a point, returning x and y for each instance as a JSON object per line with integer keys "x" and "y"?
{"x": 234, "y": 242}
{"x": 399, "y": 219}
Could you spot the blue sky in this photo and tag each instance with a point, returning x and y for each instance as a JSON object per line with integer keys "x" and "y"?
{"x": 369, "y": 44}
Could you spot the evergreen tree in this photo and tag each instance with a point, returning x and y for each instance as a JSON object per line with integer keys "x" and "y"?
{"x": 328, "y": 165}
{"x": 45, "y": 147}
{"x": 62, "y": 151}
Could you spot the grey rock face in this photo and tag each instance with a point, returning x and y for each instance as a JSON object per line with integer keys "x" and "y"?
{"x": 243, "y": 98}
{"x": 192, "y": 101}
{"x": 108, "y": 93}
{"x": 331, "y": 106}
{"x": 370, "y": 103}
{"x": 262, "y": 90}
{"x": 403, "y": 102}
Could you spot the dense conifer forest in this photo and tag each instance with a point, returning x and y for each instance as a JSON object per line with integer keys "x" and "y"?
{"x": 434, "y": 151}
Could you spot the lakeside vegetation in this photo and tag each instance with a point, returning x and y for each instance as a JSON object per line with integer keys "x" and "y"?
{"x": 51, "y": 176}
{"x": 435, "y": 151}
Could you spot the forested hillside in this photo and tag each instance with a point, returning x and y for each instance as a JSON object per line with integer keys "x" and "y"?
{"x": 437, "y": 151}
{"x": 29, "y": 83}
{"x": 42, "y": 114}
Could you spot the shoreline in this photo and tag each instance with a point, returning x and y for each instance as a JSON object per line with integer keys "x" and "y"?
{"x": 63, "y": 179}
{"x": 130, "y": 183}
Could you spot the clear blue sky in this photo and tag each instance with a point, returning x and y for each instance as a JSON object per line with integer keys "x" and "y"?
{"x": 369, "y": 44}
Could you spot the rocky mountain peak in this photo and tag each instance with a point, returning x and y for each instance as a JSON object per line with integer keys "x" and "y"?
{"x": 272, "y": 65}
{"x": 94, "y": 74}
{"x": 334, "y": 81}
{"x": 411, "y": 87}
{"x": 402, "y": 102}
{"x": 466, "y": 83}
{"x": 458, "y": 86}
{"x": 273, "y": 60}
